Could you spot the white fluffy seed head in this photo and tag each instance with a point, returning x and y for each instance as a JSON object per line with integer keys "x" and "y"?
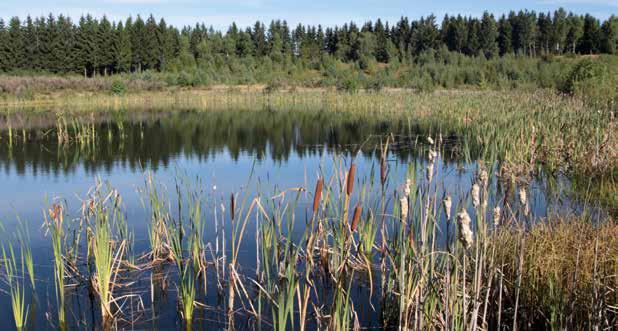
{"x": 447, "y": 203}
{"x": 404, "y": 208}
{"x": 407, "y": 188}
{"x": 432, "y": 155}
{"x": 497, "y": 216}
{"x": 430, "y": 171}
{"x": 484, "y": 178}
{"x": 476, "y": 195}
{"x": 523, "y": 199}
{"x": 465, "y": 232}
{"x": 430, "y": 140}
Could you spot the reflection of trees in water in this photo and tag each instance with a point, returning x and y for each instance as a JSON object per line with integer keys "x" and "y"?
{"x": 155, "y": 141}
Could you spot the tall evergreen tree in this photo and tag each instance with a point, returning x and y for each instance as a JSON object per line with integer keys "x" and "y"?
{"x": 560, "y": 30}
{"x": 15, "y": 48}
{"x": 122, "y": 48}
{"x": 609, "y": 38}
{"x": 589, "y": 42}
{"x": 105, "y": 41}
{"x": 505, "y": 36}
{"x": 489, "y": 36}
{"x": 4, "y": 65}
{"x": 425, "y": 34}
{"x": 575, "y": 31}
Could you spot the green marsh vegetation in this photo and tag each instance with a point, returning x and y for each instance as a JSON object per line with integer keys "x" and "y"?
{"x": 417, "y": 256}
{"x": 413, "y": 252}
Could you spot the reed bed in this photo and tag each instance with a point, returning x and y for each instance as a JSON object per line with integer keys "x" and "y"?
{"x": 524, "y": 129}
{"x": 418, "y": 258}
{"x": 402, "y": 248}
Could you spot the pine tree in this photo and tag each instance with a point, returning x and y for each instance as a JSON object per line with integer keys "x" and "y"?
{"x": 105, "y": 41}
{"x": 560, "y": 29}
{"x": 138, "y": 44}
{"x": 545, "y": 32}
{"x": 86, "y": 48}
{"x": 15, "y": 48}
{"x": 589, "y": 42}
{"x": 150, "y": 42}
{"x": 505, "y": 36}
{"x": 457, "y": 34}
{"x": 4, "y": 65}
{"x": 489, "y": 36}
{"x": 259, "y": 40}
{"x": 32, "y": 46}
{"x": 473, "y": 44}
{"x": 122, "y": 49}
{"x": 425, "y": 34}
{"x": 609, "y": 39}
{"x": 244, "y": 44}
{"x": 65, "y": 45}
{"x": 575, "y": 31}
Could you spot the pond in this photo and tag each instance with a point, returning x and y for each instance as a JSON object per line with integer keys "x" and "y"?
{"x": 260, "y": 153}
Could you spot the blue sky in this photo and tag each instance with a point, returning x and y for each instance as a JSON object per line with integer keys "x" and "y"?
{"x": 219, "y": 13}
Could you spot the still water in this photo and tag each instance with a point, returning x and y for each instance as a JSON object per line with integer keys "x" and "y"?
{"x": 221, "y": 153}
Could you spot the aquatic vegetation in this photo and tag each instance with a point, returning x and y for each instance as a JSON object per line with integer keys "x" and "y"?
{"x": 364, "y": 248}
{"x": 54, "y": 221}
{"x": 15, "y": 274}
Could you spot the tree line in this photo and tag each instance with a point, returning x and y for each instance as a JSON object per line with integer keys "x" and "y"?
{"x": 98, "y": 46}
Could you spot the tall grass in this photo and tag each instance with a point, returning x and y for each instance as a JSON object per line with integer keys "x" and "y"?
{"x": 16, "y": 274}
{"x": 55, "y": 225}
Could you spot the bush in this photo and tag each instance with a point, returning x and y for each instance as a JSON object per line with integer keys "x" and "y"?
{"x": 591, "y": 81}
{"x": 586, "y": 70}
{"x": 349, "y": 85}
{"x": 118, "y": 87}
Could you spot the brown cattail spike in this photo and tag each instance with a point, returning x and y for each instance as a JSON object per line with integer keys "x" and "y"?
{"x": 318, "y": 194}
{"x": 350, "y": 183}
{"x": 232, "y": 206}
{"x": 357, "y": 214}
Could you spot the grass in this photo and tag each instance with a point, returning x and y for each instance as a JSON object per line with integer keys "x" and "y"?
{"x": 54, "y": 221}
{"x": 442, "y": 262}
{"x": 15, "y": 274}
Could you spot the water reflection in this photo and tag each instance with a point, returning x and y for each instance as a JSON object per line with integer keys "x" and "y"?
{"x": 281, "y": 150}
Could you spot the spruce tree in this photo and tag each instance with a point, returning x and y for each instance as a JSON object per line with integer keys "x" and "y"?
{"x": 609, "y": 38}
{"x": 122, "y": 49}
{"x": 560, "y": 29}
{"x": 32, "y": 35}
{"x": 105, "y": 42}
{"x": 589, "y": 42}
{"x": 4, "y": 65}
{"x": 489, "y": 36}
{"x": 15, "y": 47}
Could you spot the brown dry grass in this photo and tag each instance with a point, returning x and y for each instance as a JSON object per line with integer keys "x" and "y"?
{"x": 564, "y": 263}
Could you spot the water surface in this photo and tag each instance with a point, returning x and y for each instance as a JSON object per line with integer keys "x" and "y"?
{"x": 260, "y": 152}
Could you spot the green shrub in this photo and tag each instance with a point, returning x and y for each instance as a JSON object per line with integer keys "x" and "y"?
{"x": 585, "y": 71}
{"x": 348, "y": 84}
{"x": 118, "y": 87}
{"x": 591, "y": 81}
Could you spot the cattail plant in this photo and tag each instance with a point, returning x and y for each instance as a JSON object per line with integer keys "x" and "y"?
{"x": 350, "y": 180}
{"x": 465, "y": 233}
{"x": 496, "y": 215}
{"x": 54, "y": 223}
{"x": 356, "y": 217}
{"x": 476, "y": 195}
{"x": 447, "y": 203}
{"x": 317, "y": 195}
{"x": 523, "y": 200}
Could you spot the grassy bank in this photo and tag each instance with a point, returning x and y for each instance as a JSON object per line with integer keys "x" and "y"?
{"x": 524, "y": 129}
